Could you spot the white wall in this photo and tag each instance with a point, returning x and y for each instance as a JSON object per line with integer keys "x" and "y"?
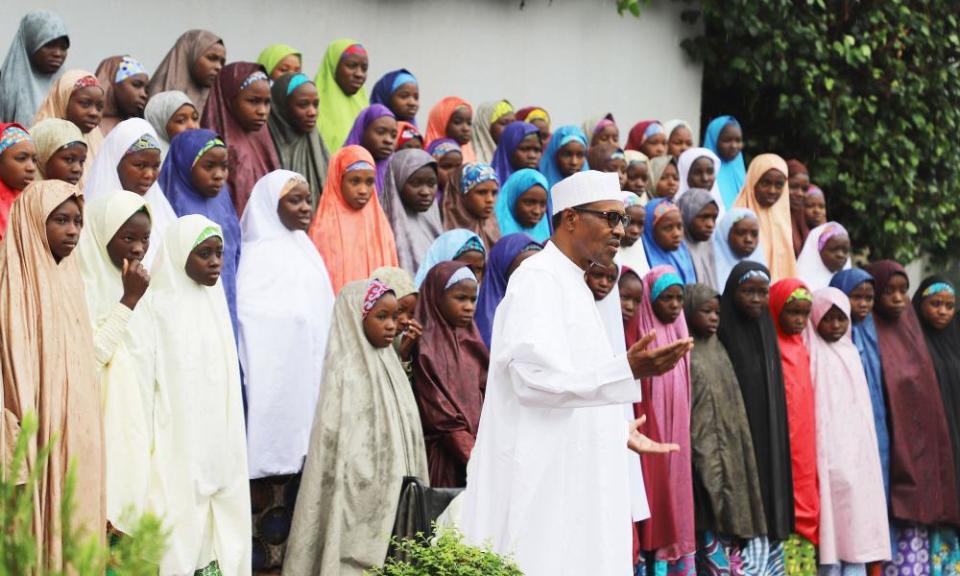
{"x": 574, "y": 57}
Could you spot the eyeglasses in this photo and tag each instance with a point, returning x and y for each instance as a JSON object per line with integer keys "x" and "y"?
{"x": 611, "y": 216}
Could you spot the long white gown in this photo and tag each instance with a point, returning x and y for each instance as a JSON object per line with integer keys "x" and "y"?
{"x": 549, "y": 478}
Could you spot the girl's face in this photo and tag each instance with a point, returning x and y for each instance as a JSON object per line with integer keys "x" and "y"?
{"x": 835, "y": 252}
{"x": 704, "y": 223}
{"x": 744, "y": 237}
{"x": 380, "y": 137}
{"x": 543, "y": 127}
{"x": 447, "y": 165}
{"x": 352, "y": 72}
{"x": 601, "y": 279}
{"x": 609, "y": 134}
{"x": 570, "y": 158}
{"x": 702, "y": 174}
{"x": 634, "y": 229}
{"x": 619, "y": 166}
{"x": 938, "y": 310}
{"x": 669, "y": 182}
{"x": 210, "y": 172}
{"x": 799, "y": 184}
{"x": 406, "y": 307}
{"x": 252, "y": 106}
{"x": 131, "y": 95}
{"x": 18, "y": 165}
{"x": 294, "y": 208}
{"x": 420, "y": 190}
{"x": 668, "y": 231}
{"x": 531, "y": 206}
{"x": 497, "y": 128}
{"x": 85, "y": 108}
{"x": 480, "y": 200}
{"x": 412, "y": 143}
{"x": 527, "y": 153}
{"x": 302, "y": 106}
{"x": 405, "y": 101}
{"x": 205, "y": 262}
{"x": 752, "y": 297}
{"x": 893, "y": 299}
{"x": 668, "y": 306}
{"x": 705, "y": 321}
{"x": 680, "y": 140}
{"x": 51, "y": 56}
{"x": 769, "y": 188}
{"x": 358, "y": 187}
{"x": 631, "y": 295}
{"x": 185, "y": 118}
{"x": 861, "y": 301}
{"x": 814, "y": 210}
{"x": 131, "y": 240}
{"x": 730, "y": 142}
{"x": 654, "y": 146}
{"x": 207, "y": 67}
{"x": 459, "y": 304}
{"x": 794, "y": 316}
{"x": 289, "y": 64}
{"x": 475, "y": 261}
{"x": 833, "y": 325}
{"x": 459, "y": 125}
{"x": 380, "y": 325}
{"x": 139, "y": 170}
{"x": 637, "y": 177}
{"x": 63, "y": 228}
{"x": 67, "y": 163}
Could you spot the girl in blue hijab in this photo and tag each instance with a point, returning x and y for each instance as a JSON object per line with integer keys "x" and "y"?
{"x": 571, "y": 139}
{"x": 456, "y": 244}
{"x": 728, "y": 254}
{"x": 663, "y": 239}
{"x": 206, "y": 193}
{"x": 523, "y": 196}
{"x": 505, "y": 256}
{"x": 398, "y": 90}
{"x": 858, "y": 285}
{"x": 724, "y": 138}
{"x": 515, "y": 151}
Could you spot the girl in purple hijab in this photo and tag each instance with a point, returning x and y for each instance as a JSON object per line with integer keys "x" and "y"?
{"x": 376, "y": 130}
{"x": 194, "y": 180}
{"x": 519, "y": 147}
{"x": 505, "y": 256}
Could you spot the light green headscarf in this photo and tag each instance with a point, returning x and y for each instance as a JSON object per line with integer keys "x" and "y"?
{"x": 273, "y": 54}
{"x": 337, "y": 111}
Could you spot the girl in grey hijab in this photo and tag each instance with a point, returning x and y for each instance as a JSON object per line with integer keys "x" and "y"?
{"x": 34, "y": 61}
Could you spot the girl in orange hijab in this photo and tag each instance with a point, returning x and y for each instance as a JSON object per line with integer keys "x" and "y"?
{"x": 765, "y": 192}
{"x": 350, "y": 229}
{"x": 452, "y": 117}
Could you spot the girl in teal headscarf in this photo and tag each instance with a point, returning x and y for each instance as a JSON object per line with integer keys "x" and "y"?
{"x": 725, "y": 138}
{"x": 524, "y": 195}
{"x": 340, "y": 83}
{"x": 566, "y": 137}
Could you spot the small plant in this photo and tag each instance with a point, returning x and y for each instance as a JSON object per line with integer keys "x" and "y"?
{"x": 449, "y": 555}
{"x": 137, "y": 554}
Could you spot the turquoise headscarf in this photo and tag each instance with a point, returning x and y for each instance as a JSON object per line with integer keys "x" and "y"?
{"x": 562, "y": 136}
{"x": 518, "y": 183}
{"x": 733, "y": 173}
{"x": 337, "y": 111}
{"x": 446, "y": 247}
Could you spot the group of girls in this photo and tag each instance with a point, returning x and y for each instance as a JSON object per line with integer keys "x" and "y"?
{"x": 282, "y": 299}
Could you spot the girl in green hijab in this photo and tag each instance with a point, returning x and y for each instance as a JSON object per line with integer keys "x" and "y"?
{"x": 340, "y": 84}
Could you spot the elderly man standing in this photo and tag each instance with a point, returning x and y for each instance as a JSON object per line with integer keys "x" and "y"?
{"x": 548, "y": 479}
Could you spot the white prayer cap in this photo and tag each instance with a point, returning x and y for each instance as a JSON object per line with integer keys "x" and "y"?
{"x": 585, "y": 187}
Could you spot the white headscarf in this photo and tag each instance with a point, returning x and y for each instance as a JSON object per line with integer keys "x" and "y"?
{"x": 158, "y": 111}
{"x": 285, "y": 308}
{"x": 200, "y": 455}
{"x": 810, "y": 266}
{"x": 128, "y": 408}
{"x": 689, "y": 156}
{"x": 635, "y": 256}
{"x": 102, "y": 179}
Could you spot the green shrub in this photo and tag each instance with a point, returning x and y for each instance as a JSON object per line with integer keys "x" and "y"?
{"x": 448, "y": 556}
{"x": 137, "y": 554}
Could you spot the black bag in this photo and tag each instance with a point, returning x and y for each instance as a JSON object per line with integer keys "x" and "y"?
{"x": 419, "y": 508}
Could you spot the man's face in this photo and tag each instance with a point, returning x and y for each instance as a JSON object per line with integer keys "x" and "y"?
{"x": 593, "y": 236}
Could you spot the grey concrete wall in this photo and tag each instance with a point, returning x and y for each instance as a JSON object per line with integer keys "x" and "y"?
{"x": 574, "y": 57}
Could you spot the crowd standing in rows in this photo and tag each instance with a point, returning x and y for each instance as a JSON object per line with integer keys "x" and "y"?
{"x": 222, "y": 284}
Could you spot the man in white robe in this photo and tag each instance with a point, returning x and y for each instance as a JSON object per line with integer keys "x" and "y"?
{"x": 548, "y": 481}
